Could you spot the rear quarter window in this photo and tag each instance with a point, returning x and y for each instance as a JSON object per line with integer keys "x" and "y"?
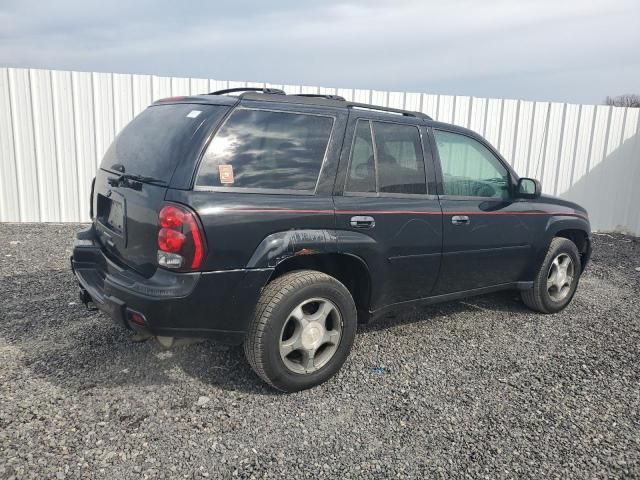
{"x": 259, "y": 149}
{"x": 153, "y": 143}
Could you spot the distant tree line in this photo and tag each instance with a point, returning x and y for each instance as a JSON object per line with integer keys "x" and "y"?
{"x": 626, "y": 100}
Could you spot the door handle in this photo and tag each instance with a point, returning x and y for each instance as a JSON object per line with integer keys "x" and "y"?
{"x": 460, "y": 220}
{"x": 363, "y": 222}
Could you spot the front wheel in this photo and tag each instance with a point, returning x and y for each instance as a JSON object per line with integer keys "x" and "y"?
{"x": 302, "y": 330}
{"x": 557, "y": 280}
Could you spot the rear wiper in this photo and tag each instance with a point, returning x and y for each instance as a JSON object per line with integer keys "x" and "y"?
{"x": 133, "y": 181}
{"x": 141, "y": 178}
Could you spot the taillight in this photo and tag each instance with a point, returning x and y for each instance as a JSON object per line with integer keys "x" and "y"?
{"x": 170, "y": 240}
{"x": 171, "y": 216}
{"x": 180, "y": 238}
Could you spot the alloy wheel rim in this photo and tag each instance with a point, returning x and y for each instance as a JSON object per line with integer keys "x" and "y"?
{"x": 310, "y": 336}
{"x": 560, "y": 277}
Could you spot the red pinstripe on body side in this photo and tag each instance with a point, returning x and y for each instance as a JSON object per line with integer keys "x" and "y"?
{"x": 395, "y": 212}
{"x": 275, "y": 210}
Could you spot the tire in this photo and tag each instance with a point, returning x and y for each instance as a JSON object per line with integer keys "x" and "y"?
{"x": 280, "y": 306}
{"x": 543, "y": 299}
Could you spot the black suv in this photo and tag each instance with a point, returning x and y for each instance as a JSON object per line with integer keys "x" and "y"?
{"x": 281, "y": 221}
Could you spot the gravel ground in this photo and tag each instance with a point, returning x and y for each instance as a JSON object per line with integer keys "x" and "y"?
{"x": 478, "y": 388}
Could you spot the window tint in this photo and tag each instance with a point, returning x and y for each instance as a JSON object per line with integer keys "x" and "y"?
{"x": 399, "y": 158}
{"x": 362, "y": 174}
{"x": 469, "y": 168}
{"x": 262, "y": 149}
{"x": 152, "y": 143}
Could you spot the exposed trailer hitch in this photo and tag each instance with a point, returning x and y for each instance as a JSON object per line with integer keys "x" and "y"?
{"x": 86, "y": 299}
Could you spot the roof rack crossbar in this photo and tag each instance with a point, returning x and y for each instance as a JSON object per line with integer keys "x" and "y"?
{"x": 320, "y": 95}
{"x": 406, "y": 113}
{"x": 248, "y": 89}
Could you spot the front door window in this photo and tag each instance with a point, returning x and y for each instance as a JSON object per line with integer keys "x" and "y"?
{"x": 469, "y": 169}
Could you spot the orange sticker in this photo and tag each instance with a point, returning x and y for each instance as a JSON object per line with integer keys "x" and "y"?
{"x": 226, "y": 173}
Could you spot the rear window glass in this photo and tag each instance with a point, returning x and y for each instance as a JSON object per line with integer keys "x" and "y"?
{"x": 266, "y": 150}
{"x": 153, "y": 143}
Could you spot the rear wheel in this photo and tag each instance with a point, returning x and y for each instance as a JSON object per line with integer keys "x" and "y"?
{"x": 557, "y": 280}
{"x": 302, "y": 330}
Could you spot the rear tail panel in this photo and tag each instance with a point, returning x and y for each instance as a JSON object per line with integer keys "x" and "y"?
{"x": 126, "y": 221}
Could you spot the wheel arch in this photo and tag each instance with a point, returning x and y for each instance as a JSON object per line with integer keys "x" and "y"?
{"x": 580, "y": 238}
{"x": 577, "y": 230}
{"x": 350, "y": 270}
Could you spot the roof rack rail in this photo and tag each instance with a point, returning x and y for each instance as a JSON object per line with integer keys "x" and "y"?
{"x": 348, "y": 104}
{"x": 276, "y": 91}
{"x": 406, "y": 113}
{"x": 320, "y": 95}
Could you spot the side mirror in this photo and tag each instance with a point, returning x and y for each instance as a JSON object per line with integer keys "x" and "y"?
{"x": 528, "y": 188}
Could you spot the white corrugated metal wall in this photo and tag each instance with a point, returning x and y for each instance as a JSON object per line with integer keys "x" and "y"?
{"x": 56, "y": 125}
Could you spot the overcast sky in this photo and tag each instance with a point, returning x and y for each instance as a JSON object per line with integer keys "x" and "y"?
{"x": 563, "y": 50}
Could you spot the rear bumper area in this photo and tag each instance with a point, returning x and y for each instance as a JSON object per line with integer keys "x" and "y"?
{"x": 217, "y": 305}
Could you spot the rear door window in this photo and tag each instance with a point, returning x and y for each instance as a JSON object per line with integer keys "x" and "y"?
{"x": 362, "y": 170}
{"x": 394, "y": 165}
{"x": 153, "y": 143}
{"x": 399, "y": 158}
{"x": 259, "y": 149}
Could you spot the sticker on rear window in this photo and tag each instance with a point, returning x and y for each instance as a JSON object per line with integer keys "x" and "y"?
{"x": 226, "y": 173}
{"x": 194, "y": 113}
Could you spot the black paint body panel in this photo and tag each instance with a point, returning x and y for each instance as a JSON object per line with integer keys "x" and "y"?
{"x": 414, "y": 253}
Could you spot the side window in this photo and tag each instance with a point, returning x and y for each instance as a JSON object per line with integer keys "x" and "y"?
{"x": 469, "y": 169}
{"x": 399, "y": 158}
{"x": 362, "y": 173}
{"x": 265, "y": 149}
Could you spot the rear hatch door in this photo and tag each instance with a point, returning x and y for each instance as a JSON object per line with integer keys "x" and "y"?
{"x": 137, "y": 170}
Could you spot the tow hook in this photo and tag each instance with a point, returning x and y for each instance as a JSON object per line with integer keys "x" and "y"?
{"x": 86, "y": 299}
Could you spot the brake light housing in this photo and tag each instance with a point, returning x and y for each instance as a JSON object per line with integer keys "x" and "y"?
{"x": 181, "y": 242}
